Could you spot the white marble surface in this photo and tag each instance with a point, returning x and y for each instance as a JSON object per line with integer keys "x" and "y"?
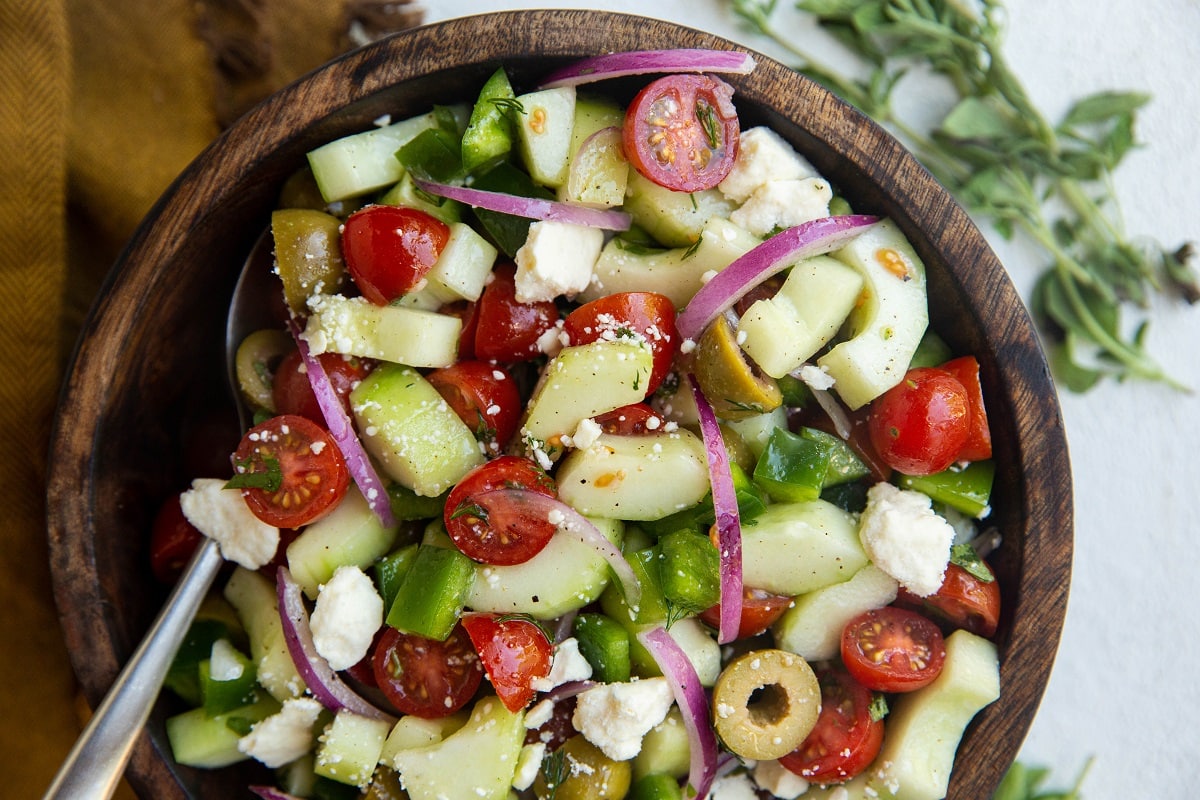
{"x": 1123, "y": 688}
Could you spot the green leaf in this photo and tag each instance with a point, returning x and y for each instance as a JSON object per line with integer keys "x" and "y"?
{"x": 1104, "y": 107}
{"x": 978, "y": 119}
{"x": 269, "y": 480}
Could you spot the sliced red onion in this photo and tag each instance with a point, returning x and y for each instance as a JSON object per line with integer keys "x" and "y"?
{"x": 564, "y": 626}
{"x": 569, "y": 689}
{"x": 570, "y": 521}
{"x": 342, "y": 431}
{"x": 837, "y": 414}
{"x": 808, "y": 239}
{"x": 325, "y": 685}
{"x": 641, "y": 62}
{"x": 271, "y": 793}
{"x": 725, "y": 508}
{"x": 693, "y": 703}
{"x": 530, "y": 207}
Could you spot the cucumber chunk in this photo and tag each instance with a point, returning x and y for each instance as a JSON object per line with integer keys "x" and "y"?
{"x": 411, "y": 731}
{"x": 200, "y": 740}
{"x": 257, "y": 604}
{"x": 674, "y": 219}
{"x": 364, "y": 162}
{"x": 665, "y": 749}
{"x": 812, "y": 627}
{"x": 793, "y": 548}
{"x": 396, "y": 333}
{"x": 544, "y": 134}
{"x": 349, "y": 748}
{"x": 351, "y": 534}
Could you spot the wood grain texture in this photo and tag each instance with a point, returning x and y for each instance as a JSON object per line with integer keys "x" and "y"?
{"x": 148, "y": 364}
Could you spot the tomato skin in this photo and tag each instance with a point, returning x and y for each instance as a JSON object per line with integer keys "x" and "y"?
{"x": 978, "y": 446}
{"x": 920, "y": 425}
{"x": 484, "y": 396}
{"x": 293, "y": 393}
{"x": 496, "y": 530}
{"x": 682, "y": 132}
{"x": 465, "y": 310}
{"x": 892, "y": 649}
{"x": 646, "y": 314}
{"x": 390, "y": 249}
{"x": 173, "y": 540}
{"x": 635, "y": 419}
{"x": 845, "y": 740}
{"x": 425, "y": 677}
{"x": 760, "y": 610}
{"x": 963, "y": 601}
{"x": 508, "y": 330}
{"x": 314, "y": 476}
{"x": 514, "y": 652}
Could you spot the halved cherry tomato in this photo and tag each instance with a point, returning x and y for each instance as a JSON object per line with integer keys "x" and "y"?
{"x": 293, "y": 393}
{"x": 364, "y": 670}
{"x": 390, "y": 249}
{"x": 507, "y": 330}
{"x": 682, "y": 131}
{"x": 647, "y": 315}
{"x": 465, "y": 310}
{"x": 291, "y": 471}
{"x": 846, "y": 739}
{"x": 425, "y": 677}
{"x": 514, "y": 652}
{"x": 172, "y": 541}
{"x": 893, "y": 650}
{"x": 497, "y": 529}
{"x": 920, "y": 425}
{"x": 979, "y": 437}
{"x": 963, "y": 601}
{"x": 760, "y": 610}
{"x": 631, "y": 420}
{"x": 484, "y": 396}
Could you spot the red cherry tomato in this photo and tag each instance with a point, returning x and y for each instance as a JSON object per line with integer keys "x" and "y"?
{"x": 514, "y": 652}
{"x": 484, "y": 396}
{"x": 682, "y": 131}
{"x": 631, "y": 420}
{"x": 425, "y": 677}
{"x": 893, "y": 650}
{"x": 846, "y": 739}
{"x": 979, "y": 436}
{"x": 647, "y": 315}
{"x": 760, "y": 610}
{"x": 390, "y": 249}
{"x": 507, "y": 330}
{"x": 920, "y": 425}
{"x": 293, "y": 393}
{"x": 497, "y": 529}
{"x": 963, "y": 601}
{"x": 291, "y": 470}
{"x": 172, "y": 541}
{"x": 465, "y": 311}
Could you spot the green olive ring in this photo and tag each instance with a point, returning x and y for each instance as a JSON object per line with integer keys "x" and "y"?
{"x": 765, "y": 703}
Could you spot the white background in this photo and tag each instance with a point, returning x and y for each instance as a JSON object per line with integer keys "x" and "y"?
{"x": 1124, "y": 688}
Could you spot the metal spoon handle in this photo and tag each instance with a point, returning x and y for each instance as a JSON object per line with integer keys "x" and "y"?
{"x": 96, "y": 763}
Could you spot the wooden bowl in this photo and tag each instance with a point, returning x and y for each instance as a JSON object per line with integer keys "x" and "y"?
{"x": 148, "y": 375}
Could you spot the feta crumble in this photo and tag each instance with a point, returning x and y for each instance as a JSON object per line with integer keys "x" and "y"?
{"x": 615, "y": 716}
{"x": 556, "y": 259}
{"x": 223, "y": 516}
{"x": 567, "y": 666}
{"x": 285, "y": 735}
{"x": 346, "y": 617}
{"x": 905, "y": 538}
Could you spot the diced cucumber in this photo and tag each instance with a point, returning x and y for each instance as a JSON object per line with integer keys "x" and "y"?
{"x": 567, "y": 574}
{"x": 255, "y": 599}
{"x": 364, "y": 162}
{"x": 812, "y": 627}
{"x": 756, "y": 429}
{"x": 783, "y": 331}
{"x": 581, "y": 382}
{"x": 696, "y": 642}
{"x": 464, "y": 266}
{"x": 399, "y": 334}
{"x": 643, "y": 477}
{"x": 349, "y": 748}
{"x": 544, "y": 127}
{"x": 885, "y": 329}
{"x": 476, "y": 761}
{"x": 411, "y": 732}
{"x": 594, "y": 113}
{"x": 598, "y": 174}
{"x": 409, "y": 429}
{"x": 350, "y": 534}
{"x": 677, "y": 273}
{"x": 655, "y": 786}
{"x": 675, "y": 219}
{"x": 665, "y": 749}
{"x": 489, "y": 135}
{"x": 405, "y": 193}
{"x": 793, "y": 548}
{"x": 200, "y": 740}
{"x": 431, "y": 597}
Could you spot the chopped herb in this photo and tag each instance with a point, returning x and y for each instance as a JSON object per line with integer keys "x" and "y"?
{"x": 554, "y": 771}
{"x": 509, "y": 106}
{"x": 467, "y": 509}
{"x": 964, "y": 555}
{"x": 269, "y": 480}
{"x": 1022, "y": 782}
{"x": 695, "y": 246}
{"x": 879, "y": 706}
{"x": 708, "y": 121}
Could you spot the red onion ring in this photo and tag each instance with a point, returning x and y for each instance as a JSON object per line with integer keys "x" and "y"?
{"x": 530, "y": 207}
{"x": 641, "y": 62}
{"x": 271, "y": 793}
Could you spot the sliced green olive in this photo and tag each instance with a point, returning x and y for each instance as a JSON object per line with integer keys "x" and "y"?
{"x": 257, "y": 358}
{"x": 765, "y": 703}
{"x": 580, "y": 771}
{"x": 300, "y": 191}
{"x": 308, "y": 254}
{"x": 732, "y": 385}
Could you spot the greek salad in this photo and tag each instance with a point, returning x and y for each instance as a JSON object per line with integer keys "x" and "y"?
{"x": 601, "y": 450}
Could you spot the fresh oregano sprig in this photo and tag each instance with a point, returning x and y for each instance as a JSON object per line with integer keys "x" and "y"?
{"x": 1023, "y": 782}
{"x": 1004, "y": 161}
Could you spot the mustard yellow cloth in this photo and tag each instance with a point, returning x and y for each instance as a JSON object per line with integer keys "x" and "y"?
{"x": 102, "y": 104}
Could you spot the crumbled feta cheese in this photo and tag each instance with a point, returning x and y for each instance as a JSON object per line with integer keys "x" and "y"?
{"x": 780, "y": 781}
{"x": 905, "y": 538}
{"x": 222, "y": 515}
{"x": 615, "y": 716}
{"x": 528, "y": 763}
{"x": 556, "y": 259}
{"x": 224, "y": 662}
{"x": 816, "y": 377}
{"x": 782, "y": 204}
{"x": 284, "y": 736}
{"x": 346, "y": 617}
{"x": 568, "y": 665}
{"x": 763, "y": 155}
{"x": 586, "y": 433}
{"x": 735, "y": 786}
{"x": 539, "y": 714}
